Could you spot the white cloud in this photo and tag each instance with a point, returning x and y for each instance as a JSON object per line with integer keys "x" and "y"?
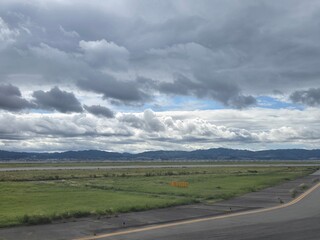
{"x": 252, "y": 129}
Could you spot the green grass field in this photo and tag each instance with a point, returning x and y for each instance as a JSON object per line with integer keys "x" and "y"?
{"x": 31, "y": 197}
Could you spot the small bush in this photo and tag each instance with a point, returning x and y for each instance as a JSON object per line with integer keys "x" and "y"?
{"x": 36, "y": 219}
{"x": 78, "y": 214}
{"x": 71, "y": 214}
{"x": 224, "y": 196}
{"x": 280, "y": 200}
{"x": 148, "y": 174}
{"x": 293, "y": 192}
{"x": 109, "y": 211}
{"x": 25, "y": 219}
{"x": 169, "y": 173}
{"x": 303, "y": 186}
{"x": 252, "y": 189}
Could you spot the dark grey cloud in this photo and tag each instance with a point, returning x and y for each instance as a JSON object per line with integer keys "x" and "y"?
{"x": 11, "y": 99}
{"x": 310, "y": 97}
{"x": 242, "y": 101}
{"x": 119, "y": 91}
{"x": 56, "y": 99}
{"x": 230, "y": 50}
{"x": 181, "y": 86}
{"x": 226, "y": 93}
{"x": 99, "y": 111}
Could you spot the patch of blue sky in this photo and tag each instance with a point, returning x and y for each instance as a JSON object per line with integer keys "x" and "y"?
{"x": 174, "y": 103}
{"x": 186, "y": 103}
{"x": 274, "y": 103}
{"x": 189, "y": 103}
{"x": 42, "y": 111}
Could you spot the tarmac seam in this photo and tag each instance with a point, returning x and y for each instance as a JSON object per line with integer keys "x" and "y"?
{"x": 296, "y": 200}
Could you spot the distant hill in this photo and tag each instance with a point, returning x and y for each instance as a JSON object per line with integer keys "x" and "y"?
{"x": 209, "y": 154}
{"x": 71, "y": 155}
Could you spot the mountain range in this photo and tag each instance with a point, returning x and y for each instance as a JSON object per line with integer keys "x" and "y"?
{"x": 208, "y": 154}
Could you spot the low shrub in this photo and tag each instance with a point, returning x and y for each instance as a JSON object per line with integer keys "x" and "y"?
{"x": 303, "y": 186}
{"x": 293, "y": 192}
{"x": 35, "y": 219}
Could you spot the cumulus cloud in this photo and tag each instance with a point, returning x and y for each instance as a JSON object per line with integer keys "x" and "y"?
{"x": 135, "y": 55}
{"x": 229, "y": 127}
{"x": 310, "y": 97}
{"x": 11, "y": 99}
{"x": 134, "y": 132}
{"x": 57, "y": 99}
{"x": 99, "y": 111}
{"x": 152, "y": 123}
{"x": 148, "y": 122}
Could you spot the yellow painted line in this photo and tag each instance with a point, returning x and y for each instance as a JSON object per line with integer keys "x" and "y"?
{"x": 296, "y": 200}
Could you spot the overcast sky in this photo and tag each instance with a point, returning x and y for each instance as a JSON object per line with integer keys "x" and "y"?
{"x": 141, "y": 75}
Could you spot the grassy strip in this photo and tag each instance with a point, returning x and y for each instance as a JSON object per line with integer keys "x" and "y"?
{"x": 202, "y": 186}
{"x": 43, "y": 202}
{"x": 37, "y": 175}
{"x": 34, "y": 198}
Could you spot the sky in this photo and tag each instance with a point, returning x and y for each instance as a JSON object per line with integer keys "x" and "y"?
{"x": 140, "y": 75}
